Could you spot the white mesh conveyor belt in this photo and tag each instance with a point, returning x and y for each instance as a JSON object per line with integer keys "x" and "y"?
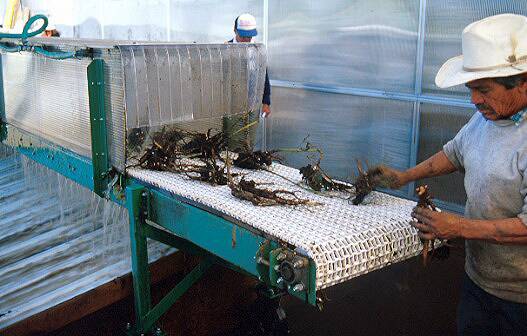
{"x": 344, "y": 240}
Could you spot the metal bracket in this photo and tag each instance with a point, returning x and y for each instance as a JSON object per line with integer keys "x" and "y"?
{"x": 294, "y": 273}
{"x": 99, "y": 142}
{"x": 286, "y": 271}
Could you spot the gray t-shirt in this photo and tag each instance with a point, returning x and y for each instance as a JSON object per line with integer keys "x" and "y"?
{"x": 493, "y": 156}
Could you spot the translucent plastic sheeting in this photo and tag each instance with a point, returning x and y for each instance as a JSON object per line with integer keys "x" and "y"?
{"x": 57, "y": 239}
{"x": 365, "y": 44}
{"x": 146, "y": 85}
{"x": 345, "y": 127}
{"x": 181, "y": 83}
{"x": 192, "y": 87}
{"x": 48, "y": 98}
{"x": 445, "y": 21}
{"x": 344, "y": 240}
{"x": 438, "y": 125}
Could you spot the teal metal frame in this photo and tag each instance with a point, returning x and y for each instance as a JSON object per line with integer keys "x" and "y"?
{"x": 158, "y": 215}
{"x": 99, "y": 141}
{"x": 196, "y": 231}
{"x": 3, "y": 125}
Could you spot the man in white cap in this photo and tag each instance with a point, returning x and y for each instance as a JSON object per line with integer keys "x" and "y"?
{"x": 491, "y": 150}
{"x": 245, "y": 30}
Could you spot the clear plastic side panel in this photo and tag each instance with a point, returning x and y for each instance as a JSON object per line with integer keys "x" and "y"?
{"x": 153, "y": 85}
{"x": 115, "y": 108}
{"x": 216, "y": 81}
{"x": 184, "y": 113}
{"x": 256, "y": 69}
{"x": 227, "y": 77}
{"x": 142, "y": 89}
{"x": 130, "y": 89}
{"x": 196, "y": 87}
{"x": 48, "y": 98}
{"x": 207, "y": 94}
{"x": 236, "y": 80}
{"x": 196, "y": 81}
{"x": 165, "y": 94}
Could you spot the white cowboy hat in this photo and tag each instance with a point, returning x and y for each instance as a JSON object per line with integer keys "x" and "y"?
{"x": 493, "y": 47}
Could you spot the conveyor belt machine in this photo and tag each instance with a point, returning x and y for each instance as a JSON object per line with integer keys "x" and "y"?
{"x": 72, "y": 106}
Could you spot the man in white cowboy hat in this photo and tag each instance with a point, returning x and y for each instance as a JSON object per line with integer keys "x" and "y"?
{"x": 51, "y": 29}
{"x": 491, "y": 150}
{"x": 245, "y": 30}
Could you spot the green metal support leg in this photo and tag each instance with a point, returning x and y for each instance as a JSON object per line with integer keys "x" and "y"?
{"x": 145, "y": 315}
{"x": 99, "y": 142}
{"x": 3, "y": 129}
{"x": 140, "y": 272}
{"x": 180, "y": 289}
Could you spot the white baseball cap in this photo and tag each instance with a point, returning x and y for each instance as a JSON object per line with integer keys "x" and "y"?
{"x": 245, "y": 25}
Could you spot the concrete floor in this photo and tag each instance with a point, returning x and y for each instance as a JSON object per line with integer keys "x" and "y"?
{"x": 402, "y": 299}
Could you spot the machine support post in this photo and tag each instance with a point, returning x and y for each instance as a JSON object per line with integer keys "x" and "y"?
{"x": 180, "y": 289}
{"x": 137, "y": 202}
{"x": 3, "y": 129}
{"x": 99, "y": 142}
{"x": 141, "y": 276}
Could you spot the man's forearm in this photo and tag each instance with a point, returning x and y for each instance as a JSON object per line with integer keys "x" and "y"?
{"x": 436, "y": 165}
{"x": 500, "y": 231}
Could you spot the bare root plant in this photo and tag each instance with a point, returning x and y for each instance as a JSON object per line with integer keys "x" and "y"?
{"x": 252, "y": 191}
{"x": 425, "y": 201}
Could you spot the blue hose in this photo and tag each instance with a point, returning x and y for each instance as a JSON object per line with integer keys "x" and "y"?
{"x": 25, "y": 31}
{"x": 54, "y": 54}
{"x": 7, "y": 48}
{"x": 26, "y": 34}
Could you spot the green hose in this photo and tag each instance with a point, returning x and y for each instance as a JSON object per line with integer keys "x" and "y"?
{"x": 54, "y": 54}
{"x": 25, "y": 31}
{"x": 26, "y": 34}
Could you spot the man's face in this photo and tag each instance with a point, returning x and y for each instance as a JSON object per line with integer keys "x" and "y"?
{"x": 494, "y": 101}
{"x": 241, "y": 39}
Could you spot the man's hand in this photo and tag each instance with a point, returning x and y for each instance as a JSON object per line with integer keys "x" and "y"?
{"x": 392, "y": 178}
{"x": 433, "y": 224}
{"x": 266, "y": 110}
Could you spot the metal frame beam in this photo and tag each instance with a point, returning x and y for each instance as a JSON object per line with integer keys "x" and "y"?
{"x": 3, "y": 125}
{"x": 63, "y": 161}
{"x": 197, "y": 231}
{"x": 209, "y": 232}
{"x": 438, "y": 100}
{"x": 138, "y": 245}
{"x": 99, "y": 142}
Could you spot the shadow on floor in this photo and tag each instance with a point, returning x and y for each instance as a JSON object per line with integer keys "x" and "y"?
{"x": 402, "y": 299}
